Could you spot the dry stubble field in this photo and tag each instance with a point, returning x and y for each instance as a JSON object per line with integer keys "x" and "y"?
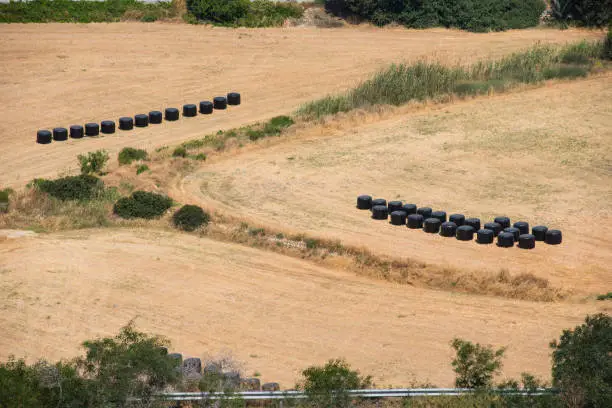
{"x": 275, "y": 313}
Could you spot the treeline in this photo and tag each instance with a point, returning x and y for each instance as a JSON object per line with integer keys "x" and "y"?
{"x": 473, "y": 15}
{"x": 128, "y": 370}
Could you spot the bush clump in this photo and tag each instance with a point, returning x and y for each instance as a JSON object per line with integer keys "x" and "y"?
{"x": 93, "y": 162}
{"x": 142, "y": 204}
{"x": 589, "y": 13}
{"x": 218, "y": 11}
{"x": 475, "y": 365}
{"x": 83, "y": 187}
{"x": 128, "y": 154}
{"x": 471, "y": 15}
{"x": 190, "y": 217}
{"x": 179, "y": 152}
{"x": 606, "y": 52}
{"x": 246, "y": 13}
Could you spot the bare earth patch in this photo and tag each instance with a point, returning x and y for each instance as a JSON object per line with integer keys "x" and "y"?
{"x": 277, "y": 314}
{"x": 539, "y": 156}
{"x": 62, "y": 74}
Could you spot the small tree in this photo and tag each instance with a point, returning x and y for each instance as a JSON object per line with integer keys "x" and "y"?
{"x": 190, "y": 217}
{"x": 475, "y": 364}
{"x": 327, "y": 386}
{"x": 94, "y": 162}
{"x": 582, "y": 363}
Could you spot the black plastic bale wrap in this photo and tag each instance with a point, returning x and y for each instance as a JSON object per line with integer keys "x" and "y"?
{"x": 409, "y": 208}
{"x": 441, "y": 215}
{"x": 514, "y": 231}
{"x": 380, "y": 212}
{"x": 505, "y": 240}
{"x": 190, "y": 110}
{"x": 233, "y": 98}
{"x": 539, "y": 232}
{"x": 503, "y": 221}
{"x": 107, "y": 127}
{"x": 220, "y": 102}
{"x": 425, "y": 212}
{"x": 522, "y": 226}
{"x": 364, "y": 202}
{"x": 43, "y": 137}
{"x": 553, "y": 237}
{"x": 493, "y": 226}
{"x": 155, "y": 117}
{"x": 485, "y": 236}
{"x": 526, "y": 241}
{"x": 415, "y": 221}
{"x": 394, "y": 206}
{"x": 171, "y": 114}
{"x": 141, "y": 120}
{"x": 448, "y": 229}
{"x": 431, "y": 225}
{"x": 465, "y": 233}
{"x": 77, "y": 131}
{"x": 398, "y": 218}
{"x": 458, "y": 219}
{"x": 473, "y": 222}
{"x": 206, "y": 107}
{"x": 126, "y": 123}
{"x": 60, "y": 134}
{"x": 92, "y": 129}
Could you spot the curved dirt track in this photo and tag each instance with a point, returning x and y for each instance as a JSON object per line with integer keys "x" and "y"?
{"x": 62, "y": 74}
{"x": 540, "y": 156}
{"x": 276, "y": 314}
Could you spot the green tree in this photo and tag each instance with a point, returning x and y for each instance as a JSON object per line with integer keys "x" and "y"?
{"x": 582, "y": 363}
{"x": 327, "y": 386}
{"x": 475, "y": 364}
{"x": 94, "y": 162}
{"x": 218, "y": 11}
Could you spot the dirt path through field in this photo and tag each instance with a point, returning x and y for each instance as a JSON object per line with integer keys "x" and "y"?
{"x": 62, "y": 74}
{"x": 540, "y": 156}
{"x": 276, "y": 314}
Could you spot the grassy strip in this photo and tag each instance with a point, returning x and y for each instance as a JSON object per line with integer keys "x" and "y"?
{"x": 84, "y": 11}
{"x": 524, "y": 286}
{"x": 402, "y": 83}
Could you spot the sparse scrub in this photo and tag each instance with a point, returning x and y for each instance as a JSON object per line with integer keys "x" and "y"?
{"x": 190, "y": 217}
{"x": 179, "y": 152}
{"x": 401, "y": 83}
{"x": 127, "y": 155}
{"x": 475, "y": 365}
{"x": 142, "y": 204}
{"x": 93, "y": 162}
{"x": 82, "y": 11}
{"x": 141, "y": 169}
{"x": 83, "y": 187}
{"x": 200, "y": 157}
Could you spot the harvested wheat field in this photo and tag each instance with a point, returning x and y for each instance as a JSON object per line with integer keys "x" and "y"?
{"x": 540, "y": 156}
{"x": 276, "y": 314}
{"x": 62, "y": 74}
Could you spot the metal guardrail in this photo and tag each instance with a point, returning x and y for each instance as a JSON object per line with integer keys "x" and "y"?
{"x": 371, "y": 393}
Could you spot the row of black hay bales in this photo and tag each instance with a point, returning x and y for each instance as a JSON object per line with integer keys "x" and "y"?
{"x": 458, "y": 226}
{"x": 61, "y": 134}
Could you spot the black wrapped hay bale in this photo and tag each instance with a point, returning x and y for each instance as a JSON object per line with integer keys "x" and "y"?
{"x": 505, "y": 240}
{"x": 380, "y": 212}
{"x": 107, "y": 127}
{"x": 458, "y": 219}
{"x": 409, "y": 208}
{"x": 522, "y": 226}
{"x": 441, "y": 215}
{"x": 394, "y": 206}
{"x": 425, "y": 212}
{"x": 415, "y": 221}
{"x": 364, "y": 202}
{"x": 431, "y": 225}
{"x": 539, "y": 232}
{"x": 60, "y": 134}
{"x": 465, "y": 233}
{"x": 76, "y": 131}
{"x": 92, "y": 129}
{"x": 379, "y": 201}
{"x": 553, "y": 237}
{"x": 448, "y": 229}
{"x": 219, "y": 102}
{"x": 190, "y": 110}
{"x": 141, "y": 120}
{"x": 172, "y": 114}
{"x": 250, "y": 384}
{"x": 126, "y": 123}
{"x": 398, "y": 218}
{"x": 473, "y": 222}
{"x": 155, "y": 117}
{"x": 526, "y": 241}
{"x": 493, "y": 226}
{"x": 514, "y": 231}
{"x": 43, "y": 137}
{"x": 233, "y": 98}
{"x": 485, "y": 236}
{"x": 206, "y": 107}
{"x": 503, "y": 221}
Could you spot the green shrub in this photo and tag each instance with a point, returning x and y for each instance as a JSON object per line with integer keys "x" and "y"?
{"x": 606, "y": 52}
{"x": 266, "y": 13}
{"x": 94, "y": 162}
{"x": 141, "y": 169}
{"x": 128, "y": 154}
{"x": 83, "y": 187}
{"x": 179, "y": 152}
{"x": 472, "y": 15}
{"x": 4, "y": 196}
{"x": 582, "y": 364}
{"x": 219, "y": 11}
{"x": 142, "y": 204}
{"x": 190, "y": 217}
{"x": 605, "y": 296}
{"x": 81, "y": 11}
{"x": 276, "y": 125}
{"x": 475, "y": 364}
{"x": 200, "y": 157}
{"x": 591, "y": 13}
{"x": 327, "y": 386}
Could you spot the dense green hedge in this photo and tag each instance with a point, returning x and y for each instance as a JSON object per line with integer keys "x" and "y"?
{"x": 190, "y": 217}
{"x": 142, "y": 204}
{"x": 590, "y": 13}
{"x": 81, "y": 11}
{"x": 472, "y": 15}
{"x": 82, "y": 187}
{"x": 246, "y": 13}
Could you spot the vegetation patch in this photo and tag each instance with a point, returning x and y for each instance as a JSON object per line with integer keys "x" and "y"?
{"x": 402, "y": 83}
{"x": 84, "y": 11}
{"x": 244, "y": 13}
{"x": 82, "y": 187}
{"x": 142, "y": 204}
{"x": 127, "y": 155}
{"x": 190, "y": 217}
{"x": 93, "y": 162}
